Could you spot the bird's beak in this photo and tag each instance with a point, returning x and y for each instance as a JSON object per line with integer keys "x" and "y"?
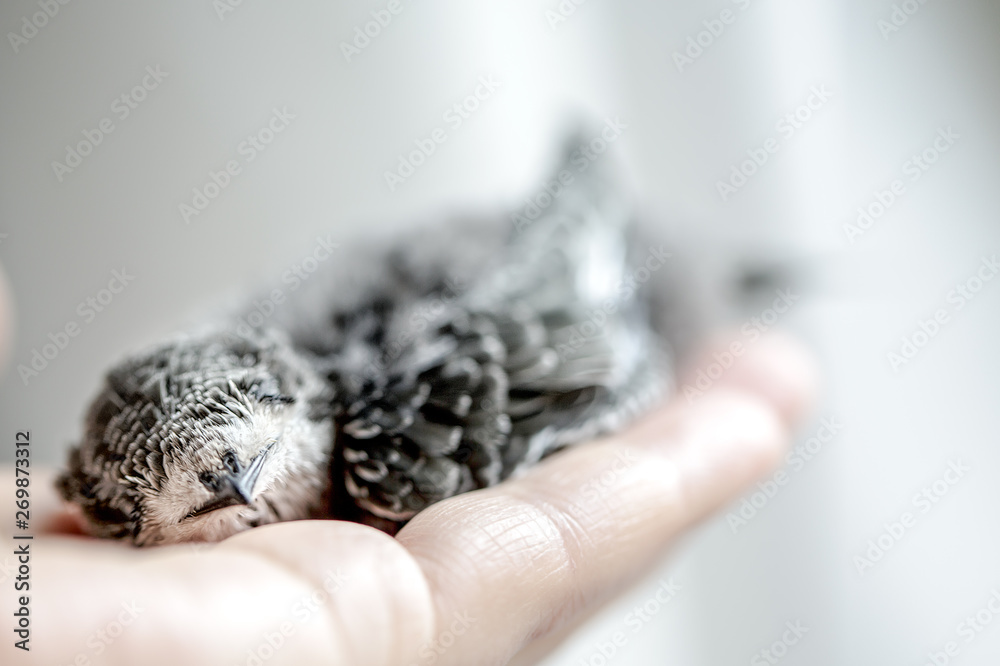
{"x": 236, "y": 487}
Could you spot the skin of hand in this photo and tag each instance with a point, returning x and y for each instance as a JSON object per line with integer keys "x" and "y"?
{"x": 471, "y": 580}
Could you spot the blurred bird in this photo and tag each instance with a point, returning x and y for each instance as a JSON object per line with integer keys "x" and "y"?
{"x": 396, "y": 380}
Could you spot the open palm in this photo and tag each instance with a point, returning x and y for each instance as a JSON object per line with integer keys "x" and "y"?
{"x": 469, "y": 581}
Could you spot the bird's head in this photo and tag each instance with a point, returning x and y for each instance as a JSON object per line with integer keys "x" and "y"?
{"x": 200, "y": 439}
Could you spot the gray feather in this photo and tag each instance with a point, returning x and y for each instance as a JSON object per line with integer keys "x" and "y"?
{"x": 384, "y": 386}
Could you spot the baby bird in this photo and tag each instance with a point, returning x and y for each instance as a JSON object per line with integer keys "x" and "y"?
{"x": 201, "y": 438}
{"x": 392, "y": 383}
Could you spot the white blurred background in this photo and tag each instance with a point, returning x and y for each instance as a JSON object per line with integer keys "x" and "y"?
{"x": 892, "y": 77}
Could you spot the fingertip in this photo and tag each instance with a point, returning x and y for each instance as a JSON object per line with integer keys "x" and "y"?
{"x": 68, "y": 522}
{"x": 777, "y": 367}
{"x": 783, "y": 370}
{"x": 728, "y": 439}
{"x": 371, "y": 584}
{"x": 752, "y": 429}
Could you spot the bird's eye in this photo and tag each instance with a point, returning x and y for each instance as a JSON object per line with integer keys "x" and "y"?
{"x": 231, "y": 462}
{"x": 211, "y": 480}
{"x": 282, "y": 399}
{"x": 266, "y": 390}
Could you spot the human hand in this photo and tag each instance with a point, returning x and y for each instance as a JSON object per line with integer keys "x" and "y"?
{"x": 485, "y": 572}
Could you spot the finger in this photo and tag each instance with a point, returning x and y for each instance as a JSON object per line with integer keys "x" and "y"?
{"x": 521, "y": 558}
{"x": 775, "y": 366}
{"x": 509, "y": 563}
{"x": 303, "y": 592}
{"x": 292, "y": 593}
{"x": 233, "y": 603}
